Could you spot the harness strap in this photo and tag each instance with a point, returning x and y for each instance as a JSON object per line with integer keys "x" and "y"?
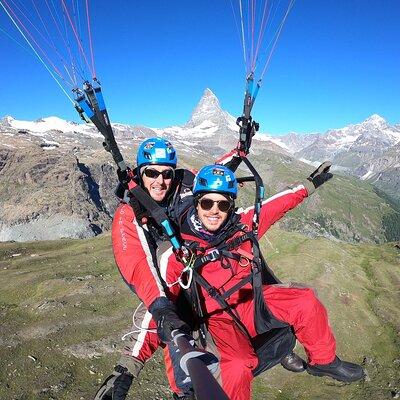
{"x": 260, "y": 191}
{"x": 224, "y": 250}
{"x": 199, "y": 311}
{"x": 236, "y": 242}
{"x": 240, "y": 284}
{"x": 155, "y": 211}
{"x": 213, "y": 292}
{"x": 210, "y": 257}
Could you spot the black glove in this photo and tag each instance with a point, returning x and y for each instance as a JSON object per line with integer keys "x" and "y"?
{"x": 321, "y": 174}
{"x": 124, "y": 176}
{"x": 116, "y": 386}
{"x": 165, "y": 314}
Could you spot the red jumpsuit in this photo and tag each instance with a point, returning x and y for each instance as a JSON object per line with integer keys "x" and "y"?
{"x": 298, "y": 307}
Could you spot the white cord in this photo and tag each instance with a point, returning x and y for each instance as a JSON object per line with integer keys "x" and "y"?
{"x": 139, "y": 328}
{"x": 180, "y": 282}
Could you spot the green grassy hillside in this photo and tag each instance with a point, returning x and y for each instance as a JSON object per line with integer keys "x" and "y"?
{"x": 63, "y": 308}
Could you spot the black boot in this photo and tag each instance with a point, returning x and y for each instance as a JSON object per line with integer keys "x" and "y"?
{"x": 294, "y": 363}
{"x": 340, "y": 370}
{"x": 116, "y": 386}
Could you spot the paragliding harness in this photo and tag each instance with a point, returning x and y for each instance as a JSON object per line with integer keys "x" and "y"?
{"x": 275, "y": 339}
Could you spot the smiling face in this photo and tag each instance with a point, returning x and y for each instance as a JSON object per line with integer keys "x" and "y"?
{"x": 157, "y": 187}
{"x": 213, "y": 218}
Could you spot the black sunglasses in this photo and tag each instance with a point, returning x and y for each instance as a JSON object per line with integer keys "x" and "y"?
{"x": 208, "y": 204}
{"x": 154, "y": 174}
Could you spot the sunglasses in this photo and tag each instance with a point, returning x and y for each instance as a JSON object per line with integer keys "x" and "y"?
{"x": 154, "y": 174}
{"x": 208, "y": 204}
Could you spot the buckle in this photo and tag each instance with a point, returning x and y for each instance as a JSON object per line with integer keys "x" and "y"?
{"x": 212, "y": 256}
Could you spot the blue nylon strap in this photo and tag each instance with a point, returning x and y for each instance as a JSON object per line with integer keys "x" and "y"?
{"x": 249, "y": 87}
{"x": 170, "y": 233}
{"x": 100, "y": 99}
{"x": 255, "y": 93}
{"x": 82, "y": 102}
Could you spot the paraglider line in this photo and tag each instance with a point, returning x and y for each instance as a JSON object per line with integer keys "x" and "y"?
{"x": 46, "y": 40}
{"x": 90, "y": 39}
{"x": 243, "y": 39}
{"x": 37, "y": 54}
{"x": 248, "y": 36}
{"x": 32, "y": 38}
{"x": 15, "y": 40}
{"x": 78, "y": 56}
{"x": 252, "y": 32}
{"x": 236, "y": 23}
{"x": 261, "y": 34}
{"x": 64, "y": 39}
{"x": 277, "y": 37}
{"x": 75, "y": 33}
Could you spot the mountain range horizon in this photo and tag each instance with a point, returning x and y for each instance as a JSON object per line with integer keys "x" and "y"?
{"x": 209, "y": 97}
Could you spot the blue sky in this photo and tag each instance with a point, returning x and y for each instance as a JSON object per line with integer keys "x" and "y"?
{"x": 337, "y": 63}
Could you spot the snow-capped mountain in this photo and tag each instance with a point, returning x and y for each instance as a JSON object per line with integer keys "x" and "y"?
{"x": 368, "y": 150}
{"x": 63, "y": 178}
{"x": 208, "y": 129}
{"x": 373, "y": 134}
{"x": 364, "y": 150}
{"x": 208, "y": 113}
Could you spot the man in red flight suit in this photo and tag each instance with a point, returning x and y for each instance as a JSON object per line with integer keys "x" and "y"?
{"x": 212, "y": 220}
{"x": 135, "y": 238}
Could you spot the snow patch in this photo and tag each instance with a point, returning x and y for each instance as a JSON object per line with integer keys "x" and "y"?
{"x": 41, "y": 126}
{"x": 367, "y": 175}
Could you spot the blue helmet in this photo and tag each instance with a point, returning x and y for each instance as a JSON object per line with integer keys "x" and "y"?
{"x": 216, "y": 179}
{"x": 156, "y": 151}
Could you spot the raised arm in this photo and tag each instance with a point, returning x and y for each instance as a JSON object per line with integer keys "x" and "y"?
{"x": 275, "y": 207}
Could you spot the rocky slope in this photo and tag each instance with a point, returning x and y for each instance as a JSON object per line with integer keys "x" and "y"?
{"x": 49, "y": 195}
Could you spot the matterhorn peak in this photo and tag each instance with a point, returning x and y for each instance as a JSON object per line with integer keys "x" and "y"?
{"x": 207, "y": 102}
{"x": 209, "y": 94}
{"x": 208, "y": 109}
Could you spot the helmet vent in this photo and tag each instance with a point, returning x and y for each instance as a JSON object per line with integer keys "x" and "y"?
{"x": 203, "y": 182}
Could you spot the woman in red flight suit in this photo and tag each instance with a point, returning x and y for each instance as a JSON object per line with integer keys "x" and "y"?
{"x": 207, "y": 221}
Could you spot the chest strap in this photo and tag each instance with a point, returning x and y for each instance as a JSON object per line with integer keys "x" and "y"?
{"x": 213, "y": 292}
